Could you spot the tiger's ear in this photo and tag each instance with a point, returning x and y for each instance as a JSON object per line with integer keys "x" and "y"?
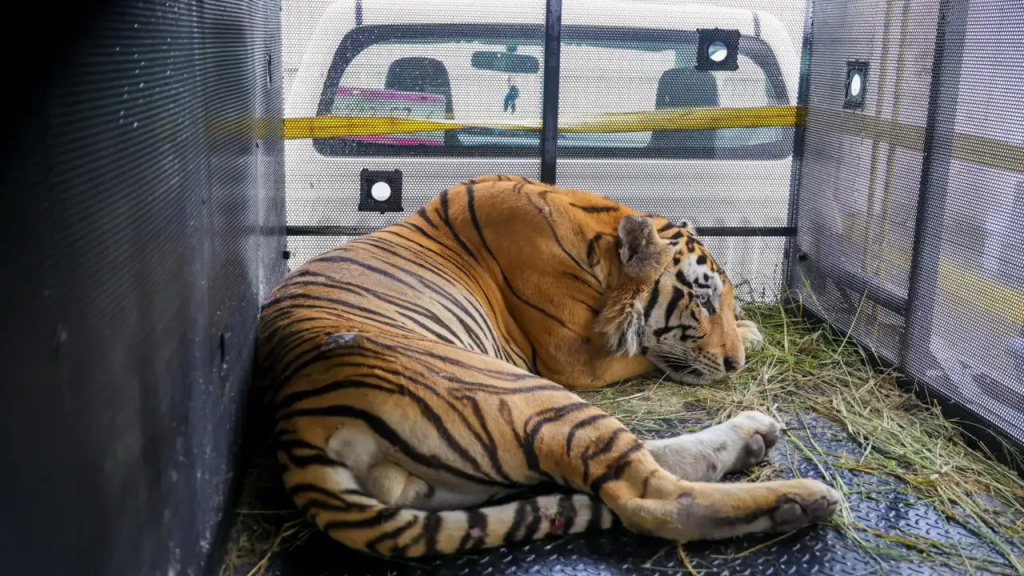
{"x": 641, "y": 249}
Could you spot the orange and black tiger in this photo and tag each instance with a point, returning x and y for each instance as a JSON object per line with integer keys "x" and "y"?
{"x": 426, "y": 370}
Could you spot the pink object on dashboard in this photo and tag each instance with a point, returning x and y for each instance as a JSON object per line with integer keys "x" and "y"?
{"x": 374, "y": 103}
{"x": 373, "y": 94}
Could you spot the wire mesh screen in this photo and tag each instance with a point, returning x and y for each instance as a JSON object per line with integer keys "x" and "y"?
{"x": 966, "y": 328}
{"x": 910, "y": 200}
{"x": 626, "y": 71}
{"x": 143, "y": 227}
{"x": 644, "y": 61}
{"x": 471, "y": 62}
{"x": 862, "y": 164}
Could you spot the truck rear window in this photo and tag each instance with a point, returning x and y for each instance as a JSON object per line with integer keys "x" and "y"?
{"x": 490, "y": 79}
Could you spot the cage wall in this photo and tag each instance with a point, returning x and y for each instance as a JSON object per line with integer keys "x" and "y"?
{"x": 625, "y": 62}
{"x": 143, "y": 224}
{"x": 911, "y": 197}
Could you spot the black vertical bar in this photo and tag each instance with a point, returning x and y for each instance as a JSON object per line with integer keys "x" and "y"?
{"x": 950, "y": 36}
{"x": 549, "y": 110}
{"x": 799, "y": 134}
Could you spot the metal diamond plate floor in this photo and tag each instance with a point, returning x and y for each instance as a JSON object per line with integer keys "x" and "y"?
{"x": 878, "y": 503}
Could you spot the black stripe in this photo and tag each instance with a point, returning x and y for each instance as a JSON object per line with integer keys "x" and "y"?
{"x": 517, "y": 522}
{"x": 368, "y": 267}
{"x": 440, "y": 272}
{"x": 389, "y": 435}
{"x": 590, "y": 453}
{"x": 476, "y": 531}
{"x": 317, "y": 458}
{"x": 652, "y": 300}
{"x": 587, "y": 305}
{"x": 615, "y": 472}
{"x": 487, "y": 299}
{"x": 432, "y": 529}
{"x": 488, "y": 444}
{"x": 425, "y": 408}
{"x": 437, "y": 289}
{"x": 317, "y": 358}
{"x": 682, "y": 279}
{"x": 596, "y": 209}
{"x": 305, "y": 488}
{"x": 314, "y": 505}
{"x": 647, "y": 483}
{"x": 579, "y": 426}
{"x": 422, "y": 212}
{"x": 535, "y": 424}
{"x": 566, "y": 515}
{"x": 345, "y": 306}
{"x": 401, "y": 304}
{"x": 686, "y": 329}
{"x": 509, "y": 374}
{"x": 592, "y": 249}
{"x": 398, "y": 303}
{"x": 558, "y": 240}
{"x": 378, "y": 519}
{"x": 480, "y": 232}
{"x": 469, "y": 274}
{"x": 596, "y": 290}
{"x": 290, "y": 400}
{"x": 596, "y": 511}
{"x": 394, "y": 534}
{"x": 530, "y": 531}
{"x": 447, "y": 219}
{"x": 673, "y": 302}
{"x": 431, "y": 332}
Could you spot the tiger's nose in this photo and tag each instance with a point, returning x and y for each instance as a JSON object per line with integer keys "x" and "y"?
{"x": 731, "y": 364}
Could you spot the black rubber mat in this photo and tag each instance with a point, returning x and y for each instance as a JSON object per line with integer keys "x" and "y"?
{"x": 878, "y": 503}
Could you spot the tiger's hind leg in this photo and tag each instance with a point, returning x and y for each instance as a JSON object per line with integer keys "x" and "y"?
{"x": 461, "y": 421}
{"x": 706, "y": 456}
{"x": 525, "y": 429}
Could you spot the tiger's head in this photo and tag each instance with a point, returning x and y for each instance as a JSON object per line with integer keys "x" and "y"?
{"x": 674, "y": 304}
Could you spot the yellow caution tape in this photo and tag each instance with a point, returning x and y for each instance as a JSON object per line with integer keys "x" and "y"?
{"x": 978, "y": 150}
{"x": 973, "y": 288}
{"x": 672, "y": 119}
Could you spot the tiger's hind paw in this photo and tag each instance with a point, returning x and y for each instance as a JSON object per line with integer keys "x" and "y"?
{"x": 717, "y": 511}
{"x": 794, "y": 512}
{"x": 757, "y": 433}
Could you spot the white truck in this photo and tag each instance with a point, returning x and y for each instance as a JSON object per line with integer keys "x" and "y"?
{"x": 481, "y": 64}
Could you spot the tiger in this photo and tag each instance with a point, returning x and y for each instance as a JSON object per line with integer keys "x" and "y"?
{"x": 426, "y": 373}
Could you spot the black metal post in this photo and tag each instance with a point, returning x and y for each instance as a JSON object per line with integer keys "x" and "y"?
{"x": 950, "y": 36}
{"x": 549, "y": 110}
{"x": 799, "y": 134}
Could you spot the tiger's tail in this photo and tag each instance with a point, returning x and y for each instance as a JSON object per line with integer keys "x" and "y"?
{"x": 330, "y": 495}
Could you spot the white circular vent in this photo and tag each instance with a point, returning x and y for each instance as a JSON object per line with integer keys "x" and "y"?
{"x": 717, "y": 51}
{"x": 380, "y": 191}
{"x": 855, "y": 84}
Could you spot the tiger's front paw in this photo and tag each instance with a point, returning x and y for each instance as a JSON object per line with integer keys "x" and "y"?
{"x": 750, "y": 335}
{"x": 754, "y": 435}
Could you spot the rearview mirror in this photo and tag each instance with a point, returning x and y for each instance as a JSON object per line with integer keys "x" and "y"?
{"x": 505, "y": 62}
